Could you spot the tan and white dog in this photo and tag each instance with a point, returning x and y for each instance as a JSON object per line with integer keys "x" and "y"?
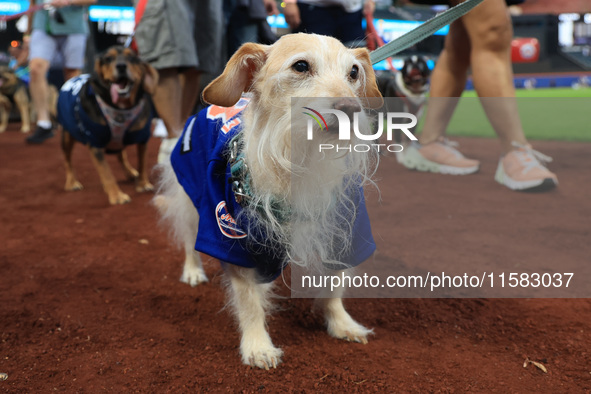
{"x": 285, "y": 173}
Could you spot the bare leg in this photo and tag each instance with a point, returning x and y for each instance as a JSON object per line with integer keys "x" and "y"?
{"x": 168, "y": 100}
{"x": 38, "y": 87}
{"x": 481, "y": 38}
{"x": 490, "y": 31}
{"x": 447, "y": 82}
{"x": 190, "y": 92}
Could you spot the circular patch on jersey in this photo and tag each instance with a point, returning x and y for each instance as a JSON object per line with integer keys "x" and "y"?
{"x": 227, "y": 223}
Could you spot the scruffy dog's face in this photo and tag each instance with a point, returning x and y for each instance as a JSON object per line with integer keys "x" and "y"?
{"x": 122, "y": 72}
{"x": 298, "y": 65}
{"x": 8, "y": 80}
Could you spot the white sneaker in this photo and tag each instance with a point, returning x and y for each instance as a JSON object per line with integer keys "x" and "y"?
{"x": 523, "y": 169}
{"x": 439, "y": 157}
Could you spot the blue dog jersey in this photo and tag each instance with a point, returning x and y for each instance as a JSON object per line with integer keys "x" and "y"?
{"x": 200, "y": 161}
{"x": 75, "y": 120}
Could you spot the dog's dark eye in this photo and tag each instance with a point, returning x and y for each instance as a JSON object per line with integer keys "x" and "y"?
{"x": 301, "y": 66}
{"x": 108, "y": 59}
{"x": 354, "y": 74}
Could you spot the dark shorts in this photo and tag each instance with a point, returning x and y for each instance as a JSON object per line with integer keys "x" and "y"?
{"x": 332, "y": 21}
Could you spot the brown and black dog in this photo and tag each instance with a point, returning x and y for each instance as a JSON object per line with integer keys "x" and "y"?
{"x": 14, "y": 91}
{"x": 107, "y": 111}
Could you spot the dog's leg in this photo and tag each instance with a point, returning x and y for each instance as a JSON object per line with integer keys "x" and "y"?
{"x": 116, "y": 196}
{"x": 193, "y": 273}
{"x": 142, "y": 183}
{"x": 25, "y": 116}
{"x": 250, "y": 301}
{"x": 130, "y": 172}
{"x": 52, "y": 102}
{"x": 5, "y": 108}
{"x": 22, "y": 102}
{"x": 67, "y": 147}
{"x": 176, "y": 208}
{"x": 4, "y": 111}
{"x": 188, "y": 222}
{"x": 340, "y": 324}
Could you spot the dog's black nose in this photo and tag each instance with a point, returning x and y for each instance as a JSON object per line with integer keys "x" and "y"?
{"x": 347, "y": 105}
{"x": 121, "y": 68}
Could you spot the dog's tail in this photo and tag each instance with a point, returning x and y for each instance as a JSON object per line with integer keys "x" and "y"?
{"x": 175, "y": 207}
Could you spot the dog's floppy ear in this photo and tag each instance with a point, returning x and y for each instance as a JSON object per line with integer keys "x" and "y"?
{"x": 150, "y": 78}
{"x": 371, "y": 87}
{"x": 237, "y": 77}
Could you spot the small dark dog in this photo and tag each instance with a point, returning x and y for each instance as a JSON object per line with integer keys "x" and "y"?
{"x": 107, "y": 111}
{"x": 13, "y": 91}
{"x": 409, "y": 86}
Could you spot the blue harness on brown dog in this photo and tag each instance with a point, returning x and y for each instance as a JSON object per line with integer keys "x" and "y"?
{"x": 112, "y": 136}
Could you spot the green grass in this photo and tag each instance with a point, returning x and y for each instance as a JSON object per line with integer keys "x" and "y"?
{"x": 548, "y": 93}
{"x": 546, "y": 114}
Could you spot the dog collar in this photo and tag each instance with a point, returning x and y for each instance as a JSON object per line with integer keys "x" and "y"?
{"x": 240, "y": 181}
{"x": 119, "y": 121}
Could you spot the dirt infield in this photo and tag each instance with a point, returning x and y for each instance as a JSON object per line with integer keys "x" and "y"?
{"x": 90, "y": 299}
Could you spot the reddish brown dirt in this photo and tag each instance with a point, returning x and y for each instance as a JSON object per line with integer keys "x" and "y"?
{"x": 86, "y": 307}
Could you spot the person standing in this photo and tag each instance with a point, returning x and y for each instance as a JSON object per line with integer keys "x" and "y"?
{"x": 181, "y": 39}
{"x": 480, "y": 41}
{"x": 59, "y": 28}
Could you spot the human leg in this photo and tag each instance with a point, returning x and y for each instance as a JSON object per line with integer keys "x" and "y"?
{"x": 42, "y": 50}
{"x": 490, "y": 30}
{"x": 39, "y": 93}
{"x": 434, "y": 153}
{"x": 190, "y": 86}
{"x": 167, "y": 99}
{"x": 448, "y": 81}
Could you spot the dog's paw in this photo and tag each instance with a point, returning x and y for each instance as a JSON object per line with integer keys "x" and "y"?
{"x": 131, "y": 173}
{"x": 142, "y": 187}
{"x": 348, "y": 329}
{"x": 264, "y": 357}
{"x": 25, "y": 130}
{"x": 119, "y": 198}
{"x": 2, "y": 130}
{"x": 193, "y": 276}
{"x": 73, "y": 185}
